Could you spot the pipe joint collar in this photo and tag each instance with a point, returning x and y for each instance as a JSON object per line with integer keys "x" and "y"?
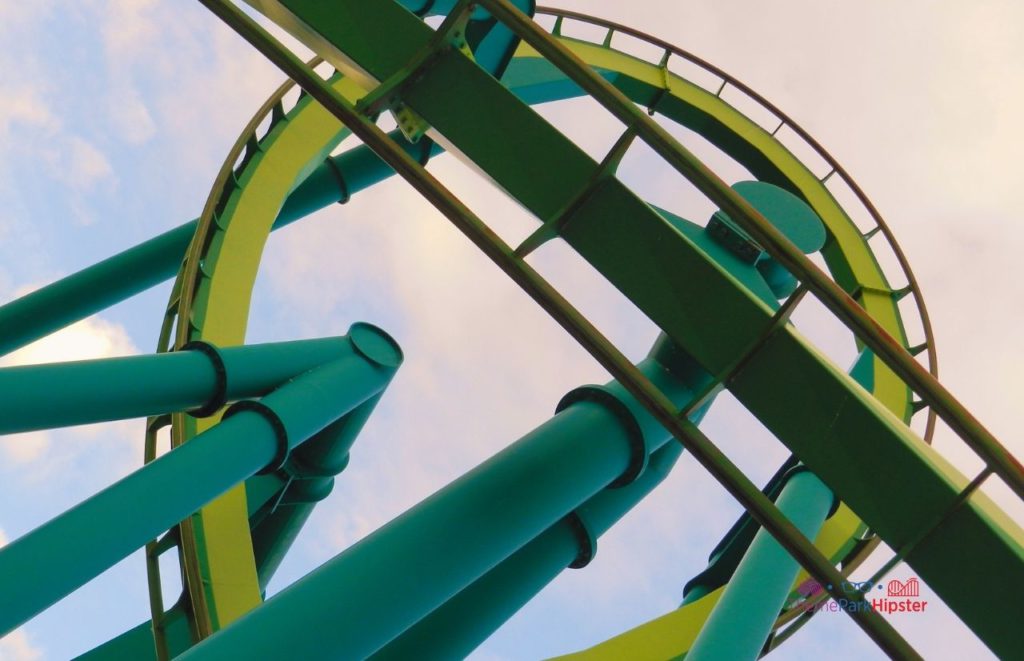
{"x": 603, "y": 397}
{"x": 586, "y": 540}
{"x": 298, "y": 469}
{"x": 220, "y": 394}
{"x": 274, "y": 420}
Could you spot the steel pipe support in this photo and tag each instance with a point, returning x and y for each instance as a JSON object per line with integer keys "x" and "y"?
{"x": 48, "y": 563}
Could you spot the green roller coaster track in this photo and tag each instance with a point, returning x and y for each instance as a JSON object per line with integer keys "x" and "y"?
{"x": 260, "y": 432}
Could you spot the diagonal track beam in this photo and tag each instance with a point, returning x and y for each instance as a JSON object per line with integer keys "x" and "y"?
{"x": 933, "y": 393}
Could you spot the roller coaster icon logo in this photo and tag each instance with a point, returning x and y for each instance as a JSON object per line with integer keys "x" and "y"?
{"x": 912, "y": 588}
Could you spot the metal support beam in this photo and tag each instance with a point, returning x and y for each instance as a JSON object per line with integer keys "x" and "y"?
{"x": 137, "y": 386}
{"x": 45, "y": 565}
{"x": 311, "y": 470}
{"x": 133, "y": 271}
{"x": 92, "y": 289}
{"x": 838, "y": 301}
{"x": 466, "y": 620}
{"x": 743, "y": 618}
{"x": 403, "y": 571}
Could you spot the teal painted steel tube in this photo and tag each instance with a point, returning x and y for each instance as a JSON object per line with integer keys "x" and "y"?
{"x": 137, "y": 386}
{"x": 275, "y": 535}
{"x": 312, "y": 468}
{"x": 48, "y": 563}
{"x": 466, "y": 620}
{"x": 92, "y": 289}
{"x": 343, "y": 175}
{"x": 137, "y": 643}
{"x": 146, "y": 265}
{"x": 742, "y": 619}
{"x": 728, "y": 553}
{"x": 366, "y": 596}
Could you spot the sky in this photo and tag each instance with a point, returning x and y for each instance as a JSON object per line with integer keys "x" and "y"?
{"x": 116, "y": 117}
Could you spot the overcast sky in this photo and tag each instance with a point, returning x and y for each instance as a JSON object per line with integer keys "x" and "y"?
{"x": 116, "y": 116}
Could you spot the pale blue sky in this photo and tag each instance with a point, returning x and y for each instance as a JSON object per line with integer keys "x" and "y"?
{"x": 116, "y": 117}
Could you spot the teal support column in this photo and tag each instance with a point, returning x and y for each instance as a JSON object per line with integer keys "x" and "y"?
{"x": 146, "y": 265}
{"x": 92, "y": 289}
{"x": 369, "y": 594}
{"x": 276, "y": 534}
{"x": 311, "y": 470}
{"x": 82, "y": 392}
{"x": 728, "y": 553}
{"x": 466, "y": 620}
{"x": 742, "y": 619}
{"x": 275, "y": 527}
{"x": 346, "y": 174}
{"x": 136, "y": 644}
{"x": 48, "y": 563}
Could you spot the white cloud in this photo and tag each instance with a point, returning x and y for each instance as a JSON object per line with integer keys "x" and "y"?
{"x": 90, "y": 338}
{"x": 81, "y": 166}
{"x": 88, "y": 165}
{"x": 16, "y": 646}
{"x": 135, "y": 29}
{"x": 132, "y": 116}
{"x": 24, "y": 107}
{"x": 15, "y": 15}
{"x": 25, "y": 448}
{"x": 194, "y": 57}
{"x": 26, "y": 111}
{"x": 131, "y": 35}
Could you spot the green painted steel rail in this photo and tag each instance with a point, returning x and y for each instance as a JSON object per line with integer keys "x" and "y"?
{"x": 839, "y": 302}
{"x": 785, "y": 121}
